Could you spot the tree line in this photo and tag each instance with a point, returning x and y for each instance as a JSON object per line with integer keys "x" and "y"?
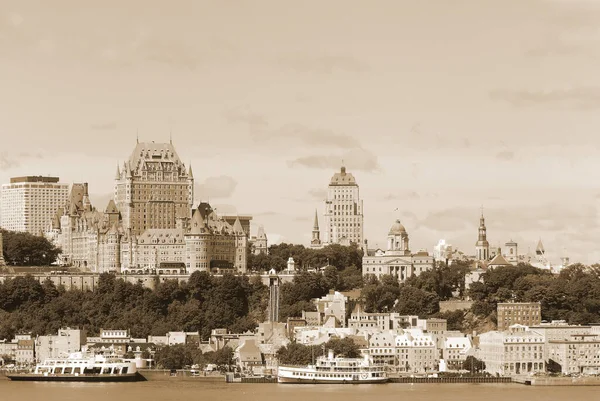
{"x": 25, "y": 249}
{"x": 572, "y": 295}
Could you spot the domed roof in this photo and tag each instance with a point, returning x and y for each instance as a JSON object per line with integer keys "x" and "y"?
{"x": 397, "y": 229}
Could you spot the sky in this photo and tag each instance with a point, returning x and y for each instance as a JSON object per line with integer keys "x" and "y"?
{"x": 437, "y": 107}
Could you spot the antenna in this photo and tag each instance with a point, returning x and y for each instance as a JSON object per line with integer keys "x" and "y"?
{"x": 137, "y": 136}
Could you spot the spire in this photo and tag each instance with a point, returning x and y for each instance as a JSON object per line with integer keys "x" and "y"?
{"x": 170, "y": 137}
{"x": 539, "y": 250}
{"x": 197, "y": 225}
{"x": 237, "y": 226}
{"x": 316, "y": 225}
{"x": 118, "y": 175}
{"x": 137, "y": 136}
{"x": 190, "y": 172}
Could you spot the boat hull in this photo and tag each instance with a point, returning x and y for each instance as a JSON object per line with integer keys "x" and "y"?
{"x": 295, "y": 380}
{"x": 131, "y": 377}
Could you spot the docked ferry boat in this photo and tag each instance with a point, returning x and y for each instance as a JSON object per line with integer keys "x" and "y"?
{"x": 82, "y": 367}
{"x": 328, "y": 369}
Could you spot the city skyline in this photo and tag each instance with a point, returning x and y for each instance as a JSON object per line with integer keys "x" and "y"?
{"x": 431, "y": 119}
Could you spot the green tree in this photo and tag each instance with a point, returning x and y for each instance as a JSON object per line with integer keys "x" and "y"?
{"x": 473, "y": 364}
{"x": 24, "y": 249}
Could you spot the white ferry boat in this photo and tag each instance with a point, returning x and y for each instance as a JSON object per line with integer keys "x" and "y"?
{"x": 82, "y": 367}
{"x": 334, "y": 370}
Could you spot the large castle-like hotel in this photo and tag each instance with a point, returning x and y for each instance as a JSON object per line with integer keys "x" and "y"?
{"x": 151, "y": 225}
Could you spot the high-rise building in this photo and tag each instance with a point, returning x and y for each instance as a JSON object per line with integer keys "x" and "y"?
{"x": 482, "y": 246}
{"x": 343, "y": 211}
{"x": 29, "y": 203}
{"x": 2, "y": 261}
{"x": 153, "y": 189}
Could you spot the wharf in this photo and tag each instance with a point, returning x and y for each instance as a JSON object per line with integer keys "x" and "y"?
{"x": 179, "y": 375}
{"x": 446, "y": 380}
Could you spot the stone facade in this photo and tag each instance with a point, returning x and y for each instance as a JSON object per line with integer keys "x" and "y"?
{"x": 153, "y": 188}
{"x": 525, "y": 313}
{"x": 397, "y": 260}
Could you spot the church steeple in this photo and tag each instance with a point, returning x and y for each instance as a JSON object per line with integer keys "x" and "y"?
{"x": 482, "y": 246}
{"x": 316, "y": 233}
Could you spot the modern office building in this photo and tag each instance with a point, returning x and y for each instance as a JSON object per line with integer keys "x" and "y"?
{"x": 29, "y": 203}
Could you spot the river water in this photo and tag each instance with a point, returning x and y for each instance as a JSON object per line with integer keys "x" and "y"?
{"x": 190, "y": 391}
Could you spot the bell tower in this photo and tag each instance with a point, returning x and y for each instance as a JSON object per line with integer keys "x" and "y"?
{"x": 482, "y": 246}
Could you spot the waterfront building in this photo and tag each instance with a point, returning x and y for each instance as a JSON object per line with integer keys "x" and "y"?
{"x": 397, "y": 260}
{"x": 343, "y": 211}
{"x": 416, "y": 352}
{"x": 482, "y": 246}
{"x": 382, "y": 348}
{"x": 28, "y": 203}
{"x": 455, "y": 351}
{"x": 25, "y": 354}
{"x": 61, "y": 345}
{"x": 575, "y": 354}
{"x": 523, "y": 313}
{"x": 518, "y": 350}
{"x": 153, "y": 189}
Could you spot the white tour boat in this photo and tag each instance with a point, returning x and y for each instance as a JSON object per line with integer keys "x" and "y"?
{"x": 82, "y": 367}
{"x": 334, "y": 370}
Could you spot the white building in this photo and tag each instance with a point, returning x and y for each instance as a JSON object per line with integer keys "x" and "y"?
{"x": 442, "y": 250}
{"x": 333, "y": 305}
{"x": 61, "y": 345}
{"x": 455, "y": 351}
{"x": 29, "y": 203}
{"x": 343, "y": 211}
{"x": 397, "y": 260}
{"x": 416, "y": 352}
{"x": 516, "y": 351}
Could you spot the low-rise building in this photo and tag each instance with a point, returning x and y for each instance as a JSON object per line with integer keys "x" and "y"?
{"x": 416, "y": 352}
{"x": 577, "y": 354}
{"x": 456, "y": 350}
{"x": 522, "y": 313}
{"x": 518, "y": 350}
{"x": 61, "y": 345}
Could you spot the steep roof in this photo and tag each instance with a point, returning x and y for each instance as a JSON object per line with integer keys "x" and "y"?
{"x": 237, "y": 227}
{"x": 198, "y": 225}
{"x": 343, "y": 178}
{"x": 111, "y": 207}
{"x": 539, "y": 250}
{"x": 499, "y": 260}
{"x": 316, "y": 224}
{"x": 261, "y": 233}
{"x": 146, "y": 153}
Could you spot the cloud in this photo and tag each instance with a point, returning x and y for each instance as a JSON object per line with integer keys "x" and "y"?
{"x": 264, "y": 214}
{"x": 505, "y": 155}
{"x": 15, "y": 19}
{"x": 224, "y": 208}
{"x": 262, "y": 131}
{"x": 108, "y": 126}
{"x": 585, "y": 98}
{"x": 544, "y": 217}
{"x": 302, "y": 219}
{"x": 222, "y": 186}
{"x": 326, "y": 64}
{"x": 402, "y": 195}
{"x": 9, "y": 161}
{"x": 321, "y": 193}
{"x": 355, "y": 159}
